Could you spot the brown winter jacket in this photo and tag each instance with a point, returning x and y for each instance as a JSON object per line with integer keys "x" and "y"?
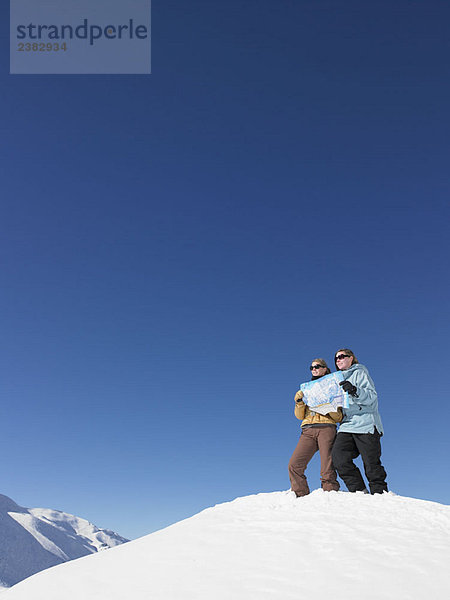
{"x": 309, "y": 417}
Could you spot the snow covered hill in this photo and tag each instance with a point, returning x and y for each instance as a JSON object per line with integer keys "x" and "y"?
{"x": 271, "y": 546}
{"x": 32, "y": 539}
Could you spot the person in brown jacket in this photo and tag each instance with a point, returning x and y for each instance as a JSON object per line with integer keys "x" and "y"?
{"x": 318, "y": 433}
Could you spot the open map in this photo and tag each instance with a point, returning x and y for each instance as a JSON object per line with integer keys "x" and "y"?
{"x": 325, "y": 395}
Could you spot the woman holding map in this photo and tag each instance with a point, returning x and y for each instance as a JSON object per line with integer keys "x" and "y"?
{"x": 360, "y": 430}
{"x": 318, "y": 433}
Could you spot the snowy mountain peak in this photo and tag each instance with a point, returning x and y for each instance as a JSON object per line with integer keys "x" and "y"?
{"x": 271, "y": 547}
{"x": 33, "y": 539}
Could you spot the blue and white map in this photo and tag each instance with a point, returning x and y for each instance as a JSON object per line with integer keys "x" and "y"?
{"x": 325, "y": 395}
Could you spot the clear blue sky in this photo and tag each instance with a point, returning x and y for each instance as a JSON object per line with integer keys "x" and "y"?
{"x": 176, "y": 248}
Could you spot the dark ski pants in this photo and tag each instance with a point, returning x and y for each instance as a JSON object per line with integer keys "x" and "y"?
{"x": 311, "y": 440}
{"x": 349, "y": 446}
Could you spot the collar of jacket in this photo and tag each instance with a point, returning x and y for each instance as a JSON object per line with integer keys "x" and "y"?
{"x": 314, "y": 377}
{"x": 353, "y": 368}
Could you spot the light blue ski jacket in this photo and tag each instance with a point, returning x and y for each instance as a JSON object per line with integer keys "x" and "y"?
{"x": 362, "y": 415}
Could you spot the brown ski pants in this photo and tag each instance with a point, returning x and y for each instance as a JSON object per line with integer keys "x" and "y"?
{"x": 311, "y": 440}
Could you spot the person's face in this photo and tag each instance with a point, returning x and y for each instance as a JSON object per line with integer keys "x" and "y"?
{"x": 317, "y": 369}
{"x": 343, "y": 361}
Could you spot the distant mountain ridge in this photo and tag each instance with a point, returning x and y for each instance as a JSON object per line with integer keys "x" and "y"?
{"x": 33, "y": 539}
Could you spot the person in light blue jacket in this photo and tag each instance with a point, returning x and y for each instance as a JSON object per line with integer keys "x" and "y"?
{"x": 360, "y": 430}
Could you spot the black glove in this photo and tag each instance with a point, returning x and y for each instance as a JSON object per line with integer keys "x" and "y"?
{"x": 348, "y": 387}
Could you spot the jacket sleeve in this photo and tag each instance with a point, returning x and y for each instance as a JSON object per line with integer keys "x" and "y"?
{"x": 300, "y": 410}
{"x": 336, "y": 416}
{"x": 365, "y": 388}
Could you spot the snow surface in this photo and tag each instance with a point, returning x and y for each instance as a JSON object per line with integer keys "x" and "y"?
{"x": 271, "y": 546}
{"x": 32, "y": 539}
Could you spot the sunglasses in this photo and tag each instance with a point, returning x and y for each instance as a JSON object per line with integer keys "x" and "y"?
{"x": 342, "y": 356}
{"x": 312, "y": 367}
